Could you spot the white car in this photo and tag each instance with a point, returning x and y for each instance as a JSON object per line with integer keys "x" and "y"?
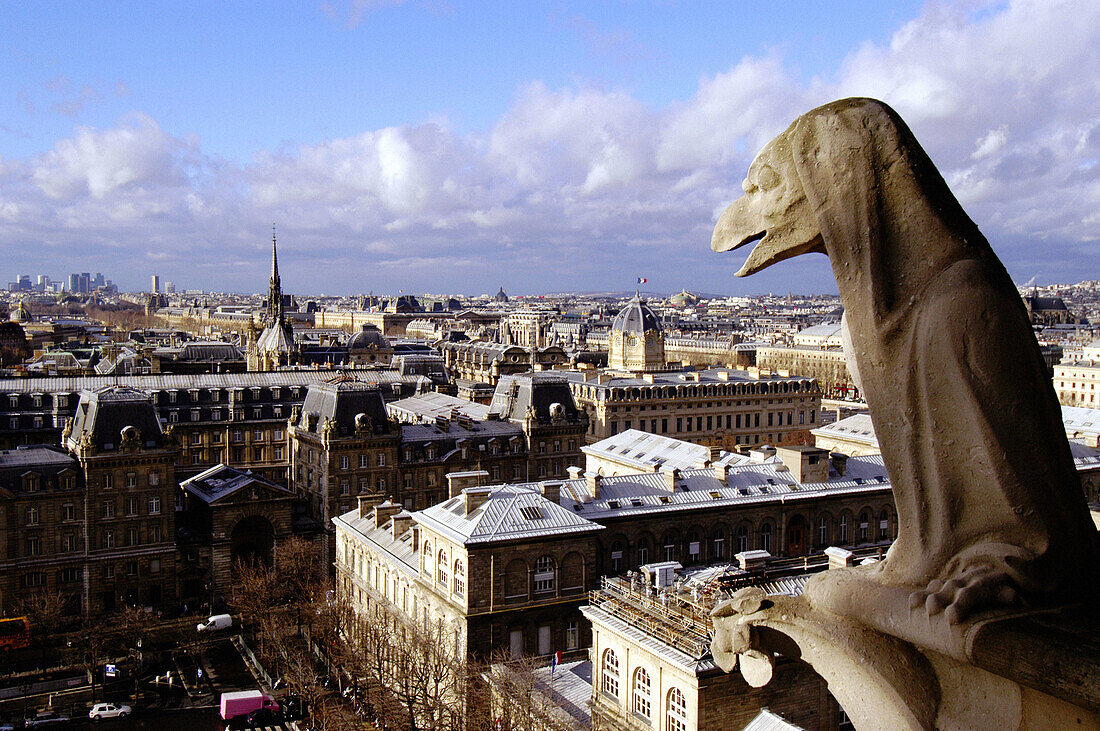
{"x": 108, "y": 710}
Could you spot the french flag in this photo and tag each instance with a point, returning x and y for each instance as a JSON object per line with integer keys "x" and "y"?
{"x": 642, "y": 280}
{"x": 554, "y": 661}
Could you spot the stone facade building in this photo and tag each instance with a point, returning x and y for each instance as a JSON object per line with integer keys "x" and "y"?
{"x": 652, "y": 667}
{"x": 487, "y": 362}
{"x": 42, "y": 526}
{"x": 227, "y": 516}
{"x": 507, "y": 567}
{"x": 827, "y": 366}
{"x": 718, "y": 407}
{"x": 636, "y": 343}
{"x": 236, "y": 419}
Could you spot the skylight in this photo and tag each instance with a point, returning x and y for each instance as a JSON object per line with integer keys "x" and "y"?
{"x": 532, "y": 512}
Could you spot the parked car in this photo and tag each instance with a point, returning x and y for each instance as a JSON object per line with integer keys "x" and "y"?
{"x": 215, "y": 622}
{"x": 47, "y": 718}
{"x": 108, "y": 710}
{"x": 263, "y": 717}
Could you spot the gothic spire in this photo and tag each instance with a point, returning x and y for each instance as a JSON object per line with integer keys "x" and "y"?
{"x": 275, "y": 290}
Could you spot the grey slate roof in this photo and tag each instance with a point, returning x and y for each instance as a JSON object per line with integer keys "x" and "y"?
{"x": 510, "y": 512}
{"x": 854, "y": 428}
{"x": 636, "y": 318}
{"x": 343, "y": 402}
{"x": 645, "y": 451}
{"x": 221, "y": 480}
{"x": 167, "y": 382}
{"x": 537, "y": 393}
{"x": 103, "y": 414}
{"x": 429, "y": 406}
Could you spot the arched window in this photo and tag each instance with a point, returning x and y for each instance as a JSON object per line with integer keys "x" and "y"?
{"x": 616, "y": 556}
{"x": 822, "y": 531}
{"x": 428, "y": 558}
{"x": 640, "y": 704}
{"x": 742, "y": 538}
{"x": 643, "y": 551}
{"x": 441, "y": 568}
{"x": 864, "y": 526}
{"x": 842, "y": 530}
{"x": 676, "y": 716}
{"x": 766, "y": 537}
{"x": 719, "y": 552}
{"x": 544, "y": 574}
{"x": 460, "y": 578}
{"x": 694, "y": 547}
{"x": 884, "y": 525}
{"x": 610, "y": 673}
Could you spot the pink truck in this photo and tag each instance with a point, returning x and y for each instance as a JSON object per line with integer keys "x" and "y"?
{"x": 235, "y": 706}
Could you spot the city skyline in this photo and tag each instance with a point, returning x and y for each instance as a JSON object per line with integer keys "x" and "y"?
{"x": 548, "y": 147}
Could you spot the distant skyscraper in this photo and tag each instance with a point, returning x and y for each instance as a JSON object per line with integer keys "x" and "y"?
{"x": 169, "y": 287}
{"x": 155, "y": 287}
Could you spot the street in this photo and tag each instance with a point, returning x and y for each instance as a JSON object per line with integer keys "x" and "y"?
{"x": 187, "y": 706}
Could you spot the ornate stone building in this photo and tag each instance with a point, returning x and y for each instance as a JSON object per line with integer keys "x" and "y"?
{"x": 507, "y": 567}
{"x": 275, "y": 345}
{"x": 129, "y": 468}
{"x": 636, "y": 343}
{"x": 228, "y": 515}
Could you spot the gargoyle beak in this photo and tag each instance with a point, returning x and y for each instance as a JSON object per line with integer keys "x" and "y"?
{"x": 741, "y": 224}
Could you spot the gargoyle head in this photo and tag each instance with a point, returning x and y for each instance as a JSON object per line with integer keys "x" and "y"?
{"x": 773, "y": 212}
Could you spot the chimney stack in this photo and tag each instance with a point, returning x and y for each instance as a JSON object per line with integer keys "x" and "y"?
{"x": 592, "y": 481}
{"x": 672, "y": 476}
{"x": 367, "y": 503}
{"x": 475, "y": 497}
{"x": 551, "y": 491}
{"x": 459, "y": 481}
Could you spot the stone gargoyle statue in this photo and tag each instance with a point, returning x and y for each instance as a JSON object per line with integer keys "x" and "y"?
{"x": 991, "y": 516}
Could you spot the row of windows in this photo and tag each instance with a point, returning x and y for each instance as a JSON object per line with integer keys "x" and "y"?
{"x": 32, "y": 481}
{"x": 457, "y": 586}
{"x": 130, "y": 479}
{"x": 236, "y": 436}
{"x": 861, "y": 529}
{"x": 111, "y": 538}
{"x": 132, "y": 506}
{"x": 32, "y": 515}
{"x": 641, "y": 689}
{"x": 217, "y": 414}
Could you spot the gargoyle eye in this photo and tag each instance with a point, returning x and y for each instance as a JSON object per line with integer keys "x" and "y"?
{"x": 766, "y": 178}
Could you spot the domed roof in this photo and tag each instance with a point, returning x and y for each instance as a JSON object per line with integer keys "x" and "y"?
{"x": 636, "y": 318}
{"x": 21, "y": 313}
{"x": 368, "y": 337}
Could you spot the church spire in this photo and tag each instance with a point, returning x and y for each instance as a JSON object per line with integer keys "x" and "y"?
{"x": 275, "y": 290}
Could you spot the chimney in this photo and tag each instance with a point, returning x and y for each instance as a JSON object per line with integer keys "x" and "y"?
{"x": 401, "y": 523}
{"x": 672, "y": 476}
{"x": 367, "y": 503}
{"x": 840, "y": 463}
{"x": 722, "y": 473}
{"x": 839, "y": 558}
{"x": 551, "y": 491}
{"x": 384, "y": 511}
{"x": 715, "y": 454}
{"x": 592, "y": 480}
{"x": 574, "y": 472}
{"x": 442, "y": 423}
{"x": 475, "y": 497}
{"x": 459, "y": 481}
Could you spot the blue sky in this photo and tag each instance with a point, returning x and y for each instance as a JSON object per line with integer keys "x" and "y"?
{"x": 458, "y": 147}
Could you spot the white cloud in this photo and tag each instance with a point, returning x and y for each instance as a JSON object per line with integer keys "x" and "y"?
{"x": 99, "y": 163}
{"x": 572, "y": 185}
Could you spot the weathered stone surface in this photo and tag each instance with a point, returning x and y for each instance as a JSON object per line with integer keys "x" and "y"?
{"x": 989, "y": 506}
{"x": 991, "y": 515}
